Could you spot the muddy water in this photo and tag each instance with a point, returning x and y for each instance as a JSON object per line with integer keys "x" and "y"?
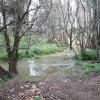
{"x": 44, "y": 66}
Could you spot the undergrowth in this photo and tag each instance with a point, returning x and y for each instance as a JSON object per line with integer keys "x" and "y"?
{"x": 4, "y": 82}
{"x": 90, "y": 68}
{"x": 87, "y": 55}
{"x": 37, "y": 51}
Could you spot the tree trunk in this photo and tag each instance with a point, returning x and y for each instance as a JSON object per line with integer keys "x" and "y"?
{"x": 13, "y": 64}
{"x": 11, "y": 53}
{"x": 13, "y": 57}
{"x": 70, "y": 43}
{"x": 96, "y": 17}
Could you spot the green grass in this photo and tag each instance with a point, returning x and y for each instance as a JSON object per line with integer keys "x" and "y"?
{"x": 36, "y": 50}
{"x": 87, "y": 55}
{"x": 39, "y": 50}
{"x": 4, "y": 82}
{"x": 37, "y": 98}
{"x": 89, "y": 68}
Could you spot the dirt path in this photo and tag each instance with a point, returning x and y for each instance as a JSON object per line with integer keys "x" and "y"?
{"x": 67, "y": 89}
{"x": 54, "y": 88}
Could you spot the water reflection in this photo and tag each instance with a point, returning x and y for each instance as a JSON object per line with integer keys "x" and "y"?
{"x": 43, "y": 66}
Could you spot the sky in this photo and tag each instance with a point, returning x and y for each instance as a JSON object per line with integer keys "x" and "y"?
{"x": 72, "y": 2}
{"x": 35, "y": 2}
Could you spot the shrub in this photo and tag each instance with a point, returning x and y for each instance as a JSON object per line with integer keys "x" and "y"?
{"x": 38, "y": 50}
{"x": 89, "y": 68}
{"x": 87, "y": 55}
{"x": 3, "y": 54}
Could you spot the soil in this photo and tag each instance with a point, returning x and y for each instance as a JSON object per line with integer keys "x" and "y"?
{"x": 54, "y": 88}
{"x": 72, "y": 89}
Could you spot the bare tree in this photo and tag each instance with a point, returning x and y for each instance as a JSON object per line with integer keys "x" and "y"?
{"x": 14, "y": 14}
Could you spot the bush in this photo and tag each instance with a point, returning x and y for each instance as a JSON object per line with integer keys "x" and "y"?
{"x": 87, "y": 55}
{"x": 39, "y": 50}
{"x": 89, "y": 68}
{"x": 3, "y": 54}
{"x": 24, "y": 54}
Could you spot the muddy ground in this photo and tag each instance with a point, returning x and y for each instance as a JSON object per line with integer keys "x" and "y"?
{"x": 58, "y": 85}
{"x": 54, "y": 88}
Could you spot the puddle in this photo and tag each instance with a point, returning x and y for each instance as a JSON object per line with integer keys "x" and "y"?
{"x": 42, "y": 67}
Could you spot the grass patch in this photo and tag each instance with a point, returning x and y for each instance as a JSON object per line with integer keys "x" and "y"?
{"x": 89, "y": 68}
{"x": 87, "y": 55}
{"x": 37, "y": 98}
{"x": 4, "y": 82}
{"x": 39, "y": 50}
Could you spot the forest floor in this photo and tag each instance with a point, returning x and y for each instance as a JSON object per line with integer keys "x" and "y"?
{"x": 57, "y": 86}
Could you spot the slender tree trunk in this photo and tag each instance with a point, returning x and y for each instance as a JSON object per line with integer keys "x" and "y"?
{"x": 96, "y": 16}
{"x": 82, "y": 45}
{"x": 13, "y": 57}
{"x": 7, "y": 40}
{"x": 70, "y": 43}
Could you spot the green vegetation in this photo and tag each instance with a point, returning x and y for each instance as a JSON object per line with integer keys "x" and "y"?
{"x": 37, "y": 50}
{"x": 37, "y": 98}
{"x": 3, "y": 54}
{"x": 89, "y": 68}
{"x": 4, "y": 82}
{"x": 87, "y": 55}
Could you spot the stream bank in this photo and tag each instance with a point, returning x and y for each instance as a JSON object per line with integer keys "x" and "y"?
{"x": 60, "y": 80}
